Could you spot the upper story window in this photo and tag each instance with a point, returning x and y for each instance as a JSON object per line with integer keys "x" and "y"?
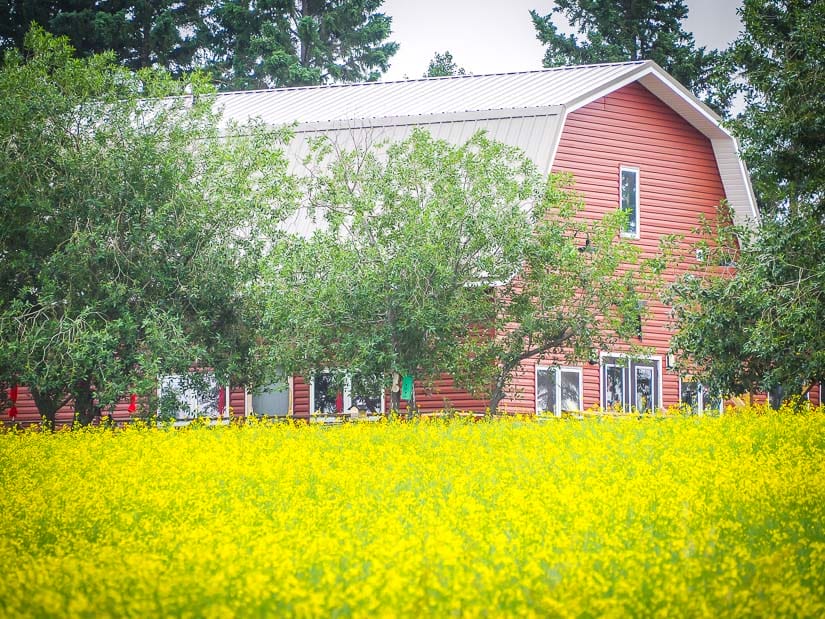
{"x": 629, "y": 200}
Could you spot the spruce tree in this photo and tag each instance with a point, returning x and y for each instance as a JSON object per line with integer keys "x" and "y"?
{"x": 142, "y": 33}
{"x": 623, "y": 30}
{"x": 295, "y": 42}
{"x": 781, "y": 59}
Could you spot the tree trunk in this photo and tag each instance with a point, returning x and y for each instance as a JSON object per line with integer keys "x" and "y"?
{"x": 395, "y": 393}
{"x": 304, "y": 43}
{"x": 498, "y": 389}
{"x": 495, "y": 398}
{"x": 413, "y": 403}
{"x": 48, "y": 403}
{"x": 84, "y": 402}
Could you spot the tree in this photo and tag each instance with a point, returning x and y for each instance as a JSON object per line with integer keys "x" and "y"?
{"x": 291, "y": 43}
{"x": 623, "y": 30}
{"x": 131, "y": 219}
{"x": 443, "y": 65}
{"x": 141, "y": 33}
{"x": 396, "y": 274}
{"x": 425, "y": 256}
{"x": 758, "y": 327}
{"x": 580, "y": 288}
{"x": 782, "y": 129}
{"x": 755, "y": 326}
{"x": 241, "y": 43}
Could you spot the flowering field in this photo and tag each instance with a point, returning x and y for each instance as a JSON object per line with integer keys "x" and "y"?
{"x": 618, "y": 517}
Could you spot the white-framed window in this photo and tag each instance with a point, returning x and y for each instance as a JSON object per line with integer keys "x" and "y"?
{"x": 695, "y": 396}
{"x": 629, "y": 199}
{"x": 330, "y": 397}
{"x": 558, "y": 389}
{"x": 631, "y": 383}
{"x": 188, "y": 396}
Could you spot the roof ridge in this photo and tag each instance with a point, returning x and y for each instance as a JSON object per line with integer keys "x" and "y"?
{"x": 570, "y": 67}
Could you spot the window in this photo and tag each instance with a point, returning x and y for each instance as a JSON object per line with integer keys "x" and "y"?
{"x": 614, "y": 396}
{"x": 630, "y": 383}
{"x": 271, "y": 400}
{"x": 629, "y": 200}
{"x": 643, "y": 388}
{"x": 696, "y": 398}
{"x": 558, "y": 389}
{"x": 328, "y": 396}
{"x": 187, "y": 396}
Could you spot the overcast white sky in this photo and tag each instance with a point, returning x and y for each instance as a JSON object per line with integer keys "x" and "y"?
{"x": 492, "y": 36}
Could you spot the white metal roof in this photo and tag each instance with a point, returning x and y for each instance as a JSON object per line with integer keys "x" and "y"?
{"x": 525, "y": 109}
{"x": 427, "y": 96}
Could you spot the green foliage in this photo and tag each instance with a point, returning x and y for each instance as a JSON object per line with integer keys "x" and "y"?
{"x": 141, "y": 33}
{"x": 757, "y": 324}
{"x": 242, "y": 44}
{"x": 395, "y": 275}
{"x": 614, "y": 31}
{"x": 443, "y": 65}
{"x": 129, "y": 226}
{"x": 782, "y": 130}
{"x": 295, "y": 42}
{"x": 425, "y": 256}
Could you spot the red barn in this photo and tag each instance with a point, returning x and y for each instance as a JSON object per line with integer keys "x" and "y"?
{"x": 628, "y": 132}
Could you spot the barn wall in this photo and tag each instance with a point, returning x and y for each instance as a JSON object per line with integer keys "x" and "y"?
{"x": 678, "y": 181}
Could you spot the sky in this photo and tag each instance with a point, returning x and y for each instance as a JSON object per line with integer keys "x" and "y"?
{"x": 492, "y": 36}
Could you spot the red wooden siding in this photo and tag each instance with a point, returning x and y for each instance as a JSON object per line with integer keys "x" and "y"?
{"x": 27, "y": 411}
{"x": 678, "y": 181}
{"x": 444, "y": 394}
{"x": 300, "y": 398}
{"x": 237, "y": 401}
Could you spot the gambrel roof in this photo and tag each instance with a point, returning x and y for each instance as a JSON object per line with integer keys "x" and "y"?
{"x": 526, "y": 109}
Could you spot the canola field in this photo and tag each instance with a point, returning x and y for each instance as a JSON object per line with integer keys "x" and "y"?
{"x": 676, "y": 517}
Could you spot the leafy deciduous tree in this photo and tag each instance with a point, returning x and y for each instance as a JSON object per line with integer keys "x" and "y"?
{"x": 426, "y": 257}
{"x": 129, "y": 227}
{"x": 755, "y": 324}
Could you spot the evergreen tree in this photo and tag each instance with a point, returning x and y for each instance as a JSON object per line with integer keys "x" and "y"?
{"x": 142, "y": 33}
{"x": 781, "y": 56}
{"x": 443, "y": 65}
{"x": 242, "y": 43}
{"x": 622, "y": 30}
{"x": 295, "y": 42}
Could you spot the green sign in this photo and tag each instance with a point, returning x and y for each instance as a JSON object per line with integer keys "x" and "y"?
{"x": 407, "y": 387}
